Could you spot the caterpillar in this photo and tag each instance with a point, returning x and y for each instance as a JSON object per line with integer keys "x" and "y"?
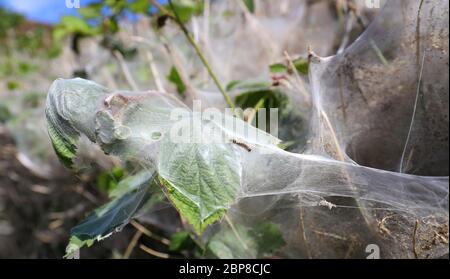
{"x": 241, "y": 144}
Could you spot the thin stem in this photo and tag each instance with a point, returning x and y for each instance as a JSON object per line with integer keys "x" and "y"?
{"x": 300, "y": 84}
{"x": 155, "y": 73}
{"x": 132, "y": 244}
{"x": 154, "y": 252}
{"x": 414, "y": 240}
{"x": 302, "y": 227}
{"x": 255, "y": 110}
{"x": 125, "y": 70}
{"x": 233, "y": 228}
{"x": 197, "y": 49}
{"x": 148, "y": 233}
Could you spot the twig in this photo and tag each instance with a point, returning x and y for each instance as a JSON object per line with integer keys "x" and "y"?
{"x": 340, "y": 157}
{"x": 255, "y": 110}
{"x": 302, "y": 227}
{"x": 340, "y": 153}
{"x": 125, "y": 70}
{"x": 148, "y": 233}
{"x": 154, "y": 252}
{"x": 348, "y": 30}
{"x": 332, "y": 235}
{"x": 301, "y": 86}
{"x": 190, "y": 91}
{"x": 155, "y": 73}
{"x": 86, "y": 194}
{"x": 175, "y": 17}
{"x": 233, "y": 228}
{"x": 414, "y": 241}
{"x": 132, "y": 244}
{"x": 379, "y": 53}
{"x": 411, "y": 125}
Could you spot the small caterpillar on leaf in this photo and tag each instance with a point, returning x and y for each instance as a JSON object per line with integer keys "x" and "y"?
{"x": 241, "y": 144}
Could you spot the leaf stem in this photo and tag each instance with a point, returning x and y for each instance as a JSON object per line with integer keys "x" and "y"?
{"x": 175, "y": 17}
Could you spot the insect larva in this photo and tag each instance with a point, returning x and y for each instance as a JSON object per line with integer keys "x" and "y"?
{"x": 241, "y": 144}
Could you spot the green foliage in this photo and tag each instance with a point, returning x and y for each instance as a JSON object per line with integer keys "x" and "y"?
{"x": 75, "y": 244}
{"x": 5, "y": 114}
{"x": 8, "y": 21}
{"x": 99, "y": 18}
{"x": 239, "y": 242}
{"x": 139, "y": 6}
{"x": 74, "y": 25}
{"x": 273, "y": 99}
{"x": 240, "y": 85}
{"x": 25, "y": 68}
{"x": 34, "y": 39}
{"x": 253, "y": 93}
{"x": 250, "y": 4}
{"x": 65, "y": 147}
{"x": 63, "y": 135}
{"x": 174, "y": 78}
{"x": 13, "y": 68}
{"x": 12, "y": 85}
{"x": 7, "y": 68}
{"x": 185, "y": 9}
{"x": 127, "y": 183}
{"x": 32, "y": 99}
{"x": 109, "y": 218}
{"x": 108, "y": 181}
{"x": 200, "y": 180}
{"x": 91, "y": 11}
{"x": 301, "y": 65}
{"x": 181, "y": 241}
{"x": 278, "y": 68}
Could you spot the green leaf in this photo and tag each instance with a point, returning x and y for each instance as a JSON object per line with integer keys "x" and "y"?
{"x": 181, "y": 241}
{"x": 250, "y": 4}
{"x": 130, "y": 183}
{"x": 65, "y": 147}
{"x": 247, "y": 85}
{"x": 10, "y": 21}
{"x": 269, "y": 238}
{"x": 109, "y": 218}
{"x": 92, "y": 11}
{"x": 32, "y": 99}
{"x": 272, "y": 99}
{"x": 75, "y": 244}
{"x": 185, "y": 9}
{"x": 233, "y": 243}
{"x": 200, "y": 179}
{"x": 139, "y": 6}
{"x": 302, "y": 65}
{"x": 72, "y": 24}
{"x": 278, "y": 68}
{"x": 108, "y": 181}
{"x": 239, "y": 242}
{"x": 174, "y": 77}
{"x": 79, "y": 97}
{"x": 12, "y": 85}
{"x": 26, "y": 68}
